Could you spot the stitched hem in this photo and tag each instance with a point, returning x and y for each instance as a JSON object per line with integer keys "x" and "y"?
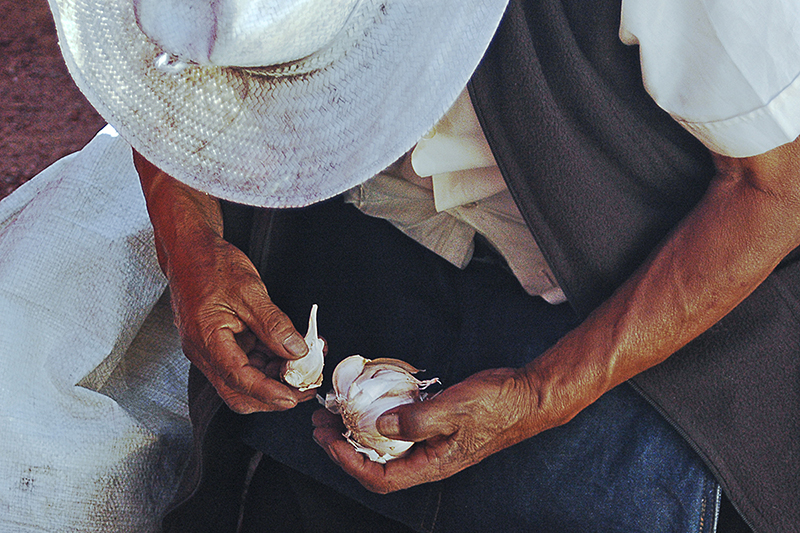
{"x": 755, "y": 132}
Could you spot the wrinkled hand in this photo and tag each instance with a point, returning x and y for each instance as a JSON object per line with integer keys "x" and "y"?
{"x": 461, "y": 426}
{"x": 230, "y": 328}
{"x": 232, "y": 331}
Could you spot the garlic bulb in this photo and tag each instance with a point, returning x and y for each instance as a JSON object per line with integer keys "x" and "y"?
{"x": 306, "y": 373}
{"x": 364, "y": 389}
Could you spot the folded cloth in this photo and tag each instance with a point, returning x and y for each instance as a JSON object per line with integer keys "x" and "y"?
{"x": 93, "y": 413}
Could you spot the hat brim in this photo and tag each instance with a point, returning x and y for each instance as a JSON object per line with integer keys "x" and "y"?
{"x": 288, "y": 140}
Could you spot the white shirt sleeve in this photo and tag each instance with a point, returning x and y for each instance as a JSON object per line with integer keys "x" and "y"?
{"x": 727, "y": 70}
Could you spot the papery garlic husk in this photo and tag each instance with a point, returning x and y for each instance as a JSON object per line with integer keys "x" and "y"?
{"x": 363, "y": 390}
{"x": 306, "y": 373}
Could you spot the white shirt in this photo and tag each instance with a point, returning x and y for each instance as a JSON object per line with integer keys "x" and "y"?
{"x": 727, "y": 70}
{"x": 462, "y": 193}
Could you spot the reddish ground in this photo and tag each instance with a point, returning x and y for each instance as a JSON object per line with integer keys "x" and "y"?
{"x": 43, "y": 116}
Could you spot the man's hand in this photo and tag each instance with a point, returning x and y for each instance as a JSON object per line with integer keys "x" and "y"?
{"x": 233, "y": 332}
{"x": 230, "y": 328}
{"x": 459, "y": 427}
{"x": 747, "y": 222}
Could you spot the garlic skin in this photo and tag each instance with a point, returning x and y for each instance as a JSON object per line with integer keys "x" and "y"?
{"x": 364, "y": 389}
{"x": 306, "y": 373}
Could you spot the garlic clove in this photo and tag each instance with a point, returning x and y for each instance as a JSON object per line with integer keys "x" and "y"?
{"x": 387, "y": 383}
{"x": 346, "y": 373}
{"x": 364, "y": 390}
{"x": 398, "y": 449}
{"x": 306, "y": 373}
{"x": 365, "y": 438}
{"x": 382, "y": 363}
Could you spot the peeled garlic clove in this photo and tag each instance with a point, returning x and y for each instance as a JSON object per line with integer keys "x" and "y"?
{"x": 362, "y": 391}
{"x": 306, "y": 373}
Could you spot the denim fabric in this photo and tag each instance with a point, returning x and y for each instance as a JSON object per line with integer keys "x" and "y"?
{"x": 616, "y": 467}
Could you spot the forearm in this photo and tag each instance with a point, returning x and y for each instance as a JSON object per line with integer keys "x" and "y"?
{"x": 229, "y": 327}
{"x": 747, "y": 222}
{"x": 181, "y": 216}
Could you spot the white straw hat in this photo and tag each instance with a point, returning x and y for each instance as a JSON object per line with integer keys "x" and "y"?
{"x": 276, "y": 103}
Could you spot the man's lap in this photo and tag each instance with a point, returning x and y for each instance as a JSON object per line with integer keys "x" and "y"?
{"x": 618, "y": 466}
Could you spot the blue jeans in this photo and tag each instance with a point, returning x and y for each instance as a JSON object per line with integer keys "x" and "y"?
{"x": 616, "y": 467}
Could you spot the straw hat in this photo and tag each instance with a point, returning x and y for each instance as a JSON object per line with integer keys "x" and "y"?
{"x": 276, "y": 103}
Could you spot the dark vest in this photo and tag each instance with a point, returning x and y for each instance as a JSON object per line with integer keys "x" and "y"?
{"x": 601, "y": 175}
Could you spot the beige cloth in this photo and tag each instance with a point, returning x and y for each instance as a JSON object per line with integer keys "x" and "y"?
{"x": 93, "y": 413}
{"x": 462, "y": 193}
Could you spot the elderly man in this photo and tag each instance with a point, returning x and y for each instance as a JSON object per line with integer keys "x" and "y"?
{"x": 609, "y": 301}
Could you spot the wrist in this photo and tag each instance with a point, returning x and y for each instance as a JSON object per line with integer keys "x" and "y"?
{"x": 184, "y": 220}
{"x": 566, "y": 379}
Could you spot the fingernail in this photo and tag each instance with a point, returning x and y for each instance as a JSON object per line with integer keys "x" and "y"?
{"x": 334, "y": 456}
{"x": 296, "y": 345}
{"x": 388, "y": 425}
{"x": 286, "y": 403}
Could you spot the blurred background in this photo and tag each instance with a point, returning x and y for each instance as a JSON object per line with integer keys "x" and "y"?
{"x": 43, "y": 116}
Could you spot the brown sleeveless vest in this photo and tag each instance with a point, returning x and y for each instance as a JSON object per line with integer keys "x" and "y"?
{"x": 601, "y": 174}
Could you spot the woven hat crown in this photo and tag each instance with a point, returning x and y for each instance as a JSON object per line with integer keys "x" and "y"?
{"x": 242, "y": 33}
{"x": 275, "y": 103}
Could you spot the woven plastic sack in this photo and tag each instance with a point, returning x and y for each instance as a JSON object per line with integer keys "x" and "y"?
{"x": 93, "y": 418}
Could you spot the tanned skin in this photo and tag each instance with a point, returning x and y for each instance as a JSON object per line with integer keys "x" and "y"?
{"x": 229, "y": 326}
{"x": 746, "y": 223}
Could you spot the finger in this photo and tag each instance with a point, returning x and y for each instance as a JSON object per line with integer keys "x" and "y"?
{"x": 246, "y": 340}
{"x": 341, "y": 451}
{"x": 237, "y": 374}
{"x": 328, "y": 433}
{"x": 263, "y": 359}
{"x": 420, "y": 466}
{"x": 418, "y": 421}
{"x": 328, "y": 438}
{"x": 271, "y": 325}
{"x": 244, "y": 404}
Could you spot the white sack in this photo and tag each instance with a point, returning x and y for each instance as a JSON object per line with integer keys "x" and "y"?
{"x": 93, "y": 417}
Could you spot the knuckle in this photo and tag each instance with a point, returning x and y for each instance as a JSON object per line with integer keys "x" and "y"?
{"x": 232, "y": 378}
{"x": 276, "y": 321}
{"x": 249, "y": 287}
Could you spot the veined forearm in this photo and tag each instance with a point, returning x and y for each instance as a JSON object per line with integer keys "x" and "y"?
{"x": 219, "y": 302}
{"x": 746, "y": 223}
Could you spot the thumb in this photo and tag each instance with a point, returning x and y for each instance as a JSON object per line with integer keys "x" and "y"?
{"x": 417, "y": 421}
{"x": 274, "y": 328}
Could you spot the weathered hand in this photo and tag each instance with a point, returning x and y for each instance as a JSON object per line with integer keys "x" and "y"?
{"x": 230, "y": 328}
{"x": 232, "y": 331}
{"x": 461, "y": 426}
